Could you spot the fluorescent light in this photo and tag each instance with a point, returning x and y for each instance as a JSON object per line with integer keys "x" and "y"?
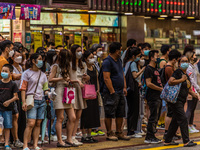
{"x": 197, "y": 20}
{"x": 177, "y": 16}
{"x": 147, "y": 17}
{"x": 190, "y": 18}
{"x": 91, "y": 11}
{"x": 45, "y": 8}
{"x": 128, "y": 13}
{"x": 17, "y": 7}
{"x": 71, "y": 10}
{"x": 163, "y": 16}
{"x": 64, "y": 9}
{"x": 174, "y": 19}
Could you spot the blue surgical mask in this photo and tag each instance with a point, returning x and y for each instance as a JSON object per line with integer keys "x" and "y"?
{"x": 4, "y": 75}
{"x": 39, "y": 64}
{"x": 146, "y": 52}
{"x": 184, "y": 66}
{"x": 137, "y": 59}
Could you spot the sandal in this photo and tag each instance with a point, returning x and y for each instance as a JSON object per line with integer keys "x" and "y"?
{"x": 171, "y": 143}
{"x": 38, "y": 148}
{"x": 71, "y": 144}
{"x": 64, "y": 145}
{"x": 190, "y": 144}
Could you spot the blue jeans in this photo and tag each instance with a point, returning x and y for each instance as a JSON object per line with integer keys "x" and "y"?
{"x": 38, "y": 111}
{"x": 7, "y": 116}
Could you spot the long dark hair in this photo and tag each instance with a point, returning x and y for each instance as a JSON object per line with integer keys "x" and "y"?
{"x": 50, "y": 55}
{"x": 80, "y": 64}
{"x": 132, "y": 51}
{"x": 64, "y": 59}
{"x": 29, "y": 62}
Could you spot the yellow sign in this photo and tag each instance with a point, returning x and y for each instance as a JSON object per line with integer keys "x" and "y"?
{"x": 58, "y": 40}
{"x": 95, "y": 40}
{"x": 37, "y": 40}
{"x": 77, "y": 39}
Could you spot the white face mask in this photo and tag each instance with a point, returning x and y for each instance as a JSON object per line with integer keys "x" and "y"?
{"x": 142, "y": 62}
{"x": 18, "y": 59}
{"x": 11, "y": 53}
{"x": 99, "y": 54}
{"x": 78, "y": 55}
{"x": 91, "y": 61}
{"x": 95, "y": 57}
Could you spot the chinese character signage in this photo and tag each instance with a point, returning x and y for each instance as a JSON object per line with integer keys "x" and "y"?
{"x": 7, "y": 11}
{"x": 30, "y": 12}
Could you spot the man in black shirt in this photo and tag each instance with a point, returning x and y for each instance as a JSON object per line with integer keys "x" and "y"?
{"x": 154, "y": 85}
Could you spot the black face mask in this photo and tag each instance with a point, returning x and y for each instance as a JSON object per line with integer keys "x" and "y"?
{"x": 195, "y": 60}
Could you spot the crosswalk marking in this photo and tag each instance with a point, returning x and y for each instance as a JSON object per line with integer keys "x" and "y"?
{"x": 167, "y": 147}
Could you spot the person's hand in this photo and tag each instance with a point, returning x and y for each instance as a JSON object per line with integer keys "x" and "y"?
{"x": 196, "y": 96}
{"x": 97, "y": 91}
{"x": 6, "y": 104}
{"x": 184, "y": 77}
{"x": 24, "y": 106}
{"x": 125, "y": 91}
{"x": 161, "y": 89}
{"x": 81, "y": 84}
{"x": 86, "y": 77}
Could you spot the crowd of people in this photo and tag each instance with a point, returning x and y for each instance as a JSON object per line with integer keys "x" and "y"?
{"x": 127, "y": 85}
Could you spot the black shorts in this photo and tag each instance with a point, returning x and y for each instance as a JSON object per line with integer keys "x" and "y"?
{"x": 169, "y": 110}
{"x": 114, "y": 105}
{"x": 15, "y": 108}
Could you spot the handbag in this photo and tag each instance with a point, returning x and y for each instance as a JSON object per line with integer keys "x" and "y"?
{"x": 69, "y": 95}
{"x": 89, "y": 91}
{"x": 170, "y": 93}
{"x": 30, "y": 98}
{"x": 53, "y": 84}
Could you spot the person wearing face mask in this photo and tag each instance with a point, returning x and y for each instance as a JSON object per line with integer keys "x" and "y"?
{"x": 153, "y": 82}
{"x": 179, "y": 118}
{"x": 90, "y": 116}
{"x": 133, "y": 97}
{"x": 34, "y": 82}
{"x": 6, "y": 48}
{"x": 192, "y": 72}
{"x": 174, "y": 55}
{"x": 146, "y": 47}
{"x": 114, "y": 89}
{"x": 78, "y": 76}
{"x": 19, "y": 117}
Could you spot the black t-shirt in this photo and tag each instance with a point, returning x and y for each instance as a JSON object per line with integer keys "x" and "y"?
{"x": 151, "y": 72}
{"x": 7, "y": 91}
{"x": 186, "y": 85}
{"x": 146, "y": 62}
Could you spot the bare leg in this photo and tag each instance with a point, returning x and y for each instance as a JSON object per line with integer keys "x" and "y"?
{"x": 7, "y": 136}
{"x": 36, "y": 132}
{"x": 28, "y": 131}
{"x": 60, "y": 118}
{"x": 119, "y": 122}
{"x": 167, "y": 122}
{"x": 70, "y": 123}
{"x": 14, "y": 130}
{"x": 78, "y": 116}
{"x": 108, "y": 123}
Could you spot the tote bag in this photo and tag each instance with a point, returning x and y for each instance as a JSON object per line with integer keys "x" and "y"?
{"x": 170, "y": 93}
{"x": 69, "y": 95}
{"x": 89, "y": 91}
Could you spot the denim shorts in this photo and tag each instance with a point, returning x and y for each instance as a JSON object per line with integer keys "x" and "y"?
{"x": 38, "y": 111}
{"x": 7, "y": 116}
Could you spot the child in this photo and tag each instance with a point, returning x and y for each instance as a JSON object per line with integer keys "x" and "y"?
{"x": 8, "y": 94}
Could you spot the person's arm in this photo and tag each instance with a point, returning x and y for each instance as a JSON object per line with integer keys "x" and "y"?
{"x": 172, "y": 81}
{"x": 53, "y": 75}
{"x": 152, "y": 86}
{"x": 137, "y": 74}
{"x": 162, "y": 64}
{"x": 191, "y": 92}
{"x": 16, "y": 76}
{"x": 125, "y": 87}
{"x": 8, "y": 102}
{"x": 98, "y": 87}
{"x": 191, "y": 74}
{"x": 108, "y": 82}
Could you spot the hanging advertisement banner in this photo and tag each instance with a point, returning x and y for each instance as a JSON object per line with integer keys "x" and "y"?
{"x": 7, "y": 11}
{"x": 58, "y": 40}
{"x": 30, "y": 12}
{"x": 17, "y": 37}
{"x": 77, "y": 39}
{"x": 95, "y": 40}
{"x": 28, "y": 38}
{"x": 37, "y": 40}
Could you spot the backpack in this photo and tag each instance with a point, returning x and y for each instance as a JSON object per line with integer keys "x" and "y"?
{"x": 130, "y": 81}
{"x": 144, "y": 86}
{"x": 162, "y": 75}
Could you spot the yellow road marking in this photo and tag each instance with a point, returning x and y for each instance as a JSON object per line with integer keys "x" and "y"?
{"x": 167, "y": 147}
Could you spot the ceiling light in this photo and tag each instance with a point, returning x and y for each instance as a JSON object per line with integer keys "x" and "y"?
{"x": 197, "y": 20}
{"x": 45, "y": 8}
{"x": 163, "y": 16}
{"x": 128, "y": 13}
{"x": 177, "y": 16}
{"x": 91, "y": 11}
{"x": 174, "y": 19}
{"x": 147, "y": 17}
{"x": 190, "y": 18}
{"x": 71, "y": 10}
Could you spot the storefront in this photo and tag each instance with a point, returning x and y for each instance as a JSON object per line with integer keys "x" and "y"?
{"x": 74, "y": 28}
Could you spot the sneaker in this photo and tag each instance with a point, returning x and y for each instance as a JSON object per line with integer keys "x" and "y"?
{"x": 76, "y": 142}
{"x": 45, "y": 142}
{"x": 100, "y": 133}
{"x": 191, "y": 130}
{"x": 161, "y": 127}
{"x": 54, "y": 138}
{"x": 125, "y": 127}
{"x": 89, "y": 140}
{"x": 121, "y": 136}
{"x": 155, "y": 141}
{"x": 195, "y": 130}
{"x": 7, "y": 147}
{"x": 111, "y": 136}
{"x": 94, "y": 133}
{"x": 142, "y": 133}
{"x": 78, "y": 135}
{"x": 39, "y": 142}
{"x": 64, "y": 137}
{"x": 135, "y": 136}
{"x": 147, "y": 140}
{"x": 18, "y": 144}
{"x": 26, "y": 148}
{"x": 176, "y": 137}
